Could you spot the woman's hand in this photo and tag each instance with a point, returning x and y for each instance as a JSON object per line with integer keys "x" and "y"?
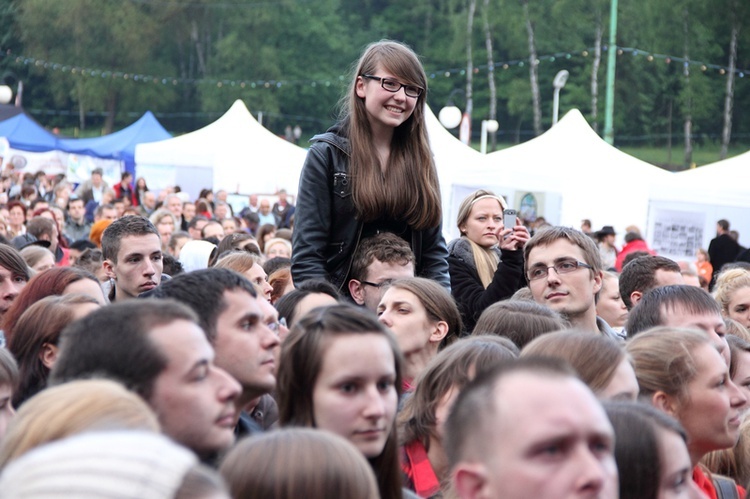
{"x": 513, "y": 239}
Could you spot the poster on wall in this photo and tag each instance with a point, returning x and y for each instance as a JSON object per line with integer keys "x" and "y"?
{"x": 678, "y": 234}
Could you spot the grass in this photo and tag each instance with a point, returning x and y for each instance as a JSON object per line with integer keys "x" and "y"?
{"x": 703, "y": 154}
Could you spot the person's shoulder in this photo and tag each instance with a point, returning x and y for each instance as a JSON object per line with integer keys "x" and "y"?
{"x": 459, "y": 247}
{"x": 460, "y": 254}
{"x": 331, "y": 138}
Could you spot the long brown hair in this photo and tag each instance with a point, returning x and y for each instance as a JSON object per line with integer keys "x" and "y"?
{"x": 451, "y": 369}
{"x": 298, "y": 462}
{"x": 300, "y": 364}
{"x": 409, "y": 191}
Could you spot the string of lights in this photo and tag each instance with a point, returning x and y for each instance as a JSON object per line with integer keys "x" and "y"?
{"x": 74, "y": 69}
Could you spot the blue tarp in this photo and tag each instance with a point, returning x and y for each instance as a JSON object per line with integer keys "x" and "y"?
{"x": 25, "y": 134}
{"x": 119, "y": 145}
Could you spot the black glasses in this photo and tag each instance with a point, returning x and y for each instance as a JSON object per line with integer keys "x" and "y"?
{"x": 394, "y": 86}
{"x": 387, "y": 282}
{"x": 561, "y": 267}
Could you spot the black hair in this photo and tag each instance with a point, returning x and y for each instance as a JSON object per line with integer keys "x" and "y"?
{"x": 113, "y": 342}
{"x": 203, "y": 291}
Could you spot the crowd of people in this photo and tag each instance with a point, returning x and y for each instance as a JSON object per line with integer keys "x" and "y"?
{"x": 334, "y": 345}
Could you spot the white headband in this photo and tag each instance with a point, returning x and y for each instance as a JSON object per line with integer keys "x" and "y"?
{"x": 500, "y": 200}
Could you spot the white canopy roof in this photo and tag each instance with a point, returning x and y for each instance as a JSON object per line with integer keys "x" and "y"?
{"x": 723, "y": 183}
{"x": 235, "y": 153}
{"x": 576, "y": 171}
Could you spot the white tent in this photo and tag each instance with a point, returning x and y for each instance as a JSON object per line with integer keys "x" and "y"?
{"x": 724, "y": 182}
{"x": 452, "y": 158}
{"x": 685, "y": 208}
{"x": 235, "y": 153}
{"x": 573, "y": 175}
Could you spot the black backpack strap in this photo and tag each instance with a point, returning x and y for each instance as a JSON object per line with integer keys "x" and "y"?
{"x": 725, "y": 487}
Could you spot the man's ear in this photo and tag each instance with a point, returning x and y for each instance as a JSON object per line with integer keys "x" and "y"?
{"x": 470, "y": 480}
{"x": 635, "y": 297}
{"x": 109, "y": 268}
{"x": 598, "y": 278}
{"x": 357, "y": 290}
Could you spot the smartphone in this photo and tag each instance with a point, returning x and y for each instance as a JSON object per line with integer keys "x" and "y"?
{"x": 509, "y": 218}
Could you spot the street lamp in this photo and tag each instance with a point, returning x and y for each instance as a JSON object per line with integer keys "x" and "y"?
{"x": 450, "y": 116}
{"x": 6, "y": 94}
{"x": 490, "y": 126}
{"x": 559, "y": 82}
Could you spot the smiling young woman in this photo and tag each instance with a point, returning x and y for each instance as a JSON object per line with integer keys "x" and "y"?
{"x": 372, "y": 172}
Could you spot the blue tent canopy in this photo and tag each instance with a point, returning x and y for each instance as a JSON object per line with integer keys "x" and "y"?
{"x": 119, "y": 145}
{"x": 26, "y": 134}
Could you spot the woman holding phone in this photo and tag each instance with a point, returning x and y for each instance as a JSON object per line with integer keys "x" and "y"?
{"x": 372, "y": 172}
{"x": 486, "y": 262}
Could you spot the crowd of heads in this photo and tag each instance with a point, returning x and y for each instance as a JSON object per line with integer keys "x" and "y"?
{"x": 158, "y": 346}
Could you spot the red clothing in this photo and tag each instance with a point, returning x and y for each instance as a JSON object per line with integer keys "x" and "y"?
{"x": 418, "y": 471}
{"x": 65, "y": 260}
{"x": 637, "y": 245}
{"x": 704, "y": 483}
{"x": 705, "y": 270}
{"x": 125, "y": 190}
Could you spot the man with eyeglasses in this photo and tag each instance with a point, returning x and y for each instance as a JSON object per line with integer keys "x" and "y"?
{"x": 378, "y": 261}
{"x": 564, "y": 272}
{"x": 244, "y": 336}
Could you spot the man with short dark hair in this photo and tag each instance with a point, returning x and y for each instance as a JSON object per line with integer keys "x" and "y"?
{"x": 195, "y": 227}
{"x": 723, "y": 248}
{"x": 156, "y": 349}
{"x": 212, "y": 229}
{"x": 131, "y": 248}
{"x": 645, "y": 273}
{"x": 564, "y": 271}
{"x": 530, "y": 429}
{"x": 378, "y": 260}
{"x": 680, "y": 306}
{"x": 229, "y": 313}
{"x": 105, "y": 212}
{"x": 77, "y": 226}
{"x": 221, "y": 211}
{"x": 93, "y": 188}
{"x": 44, "y": 229}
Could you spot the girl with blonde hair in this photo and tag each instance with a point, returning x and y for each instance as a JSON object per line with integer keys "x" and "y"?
{"x": 486, "y": 262}
{"x": 732, "y": 291}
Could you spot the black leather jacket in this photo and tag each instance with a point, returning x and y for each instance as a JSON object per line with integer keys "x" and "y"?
{"x": 326, "y": 230}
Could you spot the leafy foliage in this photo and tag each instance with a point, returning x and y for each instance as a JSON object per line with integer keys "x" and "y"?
{"x": 298, "y": 55}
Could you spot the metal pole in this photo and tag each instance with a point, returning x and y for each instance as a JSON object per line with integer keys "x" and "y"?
{"x": 609, "y": 134}
{"x": 483, "y": 144}
{"x": 555, "y": 105}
